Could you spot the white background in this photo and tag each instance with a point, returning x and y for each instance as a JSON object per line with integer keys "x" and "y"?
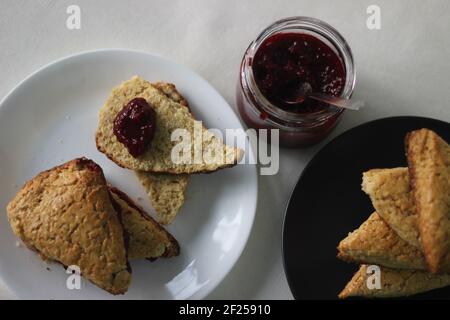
{"x": 402, "y": 69}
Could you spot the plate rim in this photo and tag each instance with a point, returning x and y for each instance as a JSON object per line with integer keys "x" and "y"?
{"x": 214, "y": 283}
{"x": 313, "y": 158}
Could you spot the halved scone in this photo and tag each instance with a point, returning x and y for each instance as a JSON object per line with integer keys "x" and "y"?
{"x": 429, "y": 170}
{"x": 166, "y": 191}
{"x": 171, "y": 92}
{"x": 170, "y": 116}
{"x": 146, "y": 238}
{"x": 66, "y": 215}
{"x": 394, "y": 283}
{"x": 375, "y": 243}
{"x": 390, "y": 193}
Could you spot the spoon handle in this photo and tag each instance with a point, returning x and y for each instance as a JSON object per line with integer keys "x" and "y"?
{"x": 338, "y": 102}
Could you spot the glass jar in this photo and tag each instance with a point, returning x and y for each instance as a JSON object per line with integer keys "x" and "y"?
{"x": 295, "y": 129}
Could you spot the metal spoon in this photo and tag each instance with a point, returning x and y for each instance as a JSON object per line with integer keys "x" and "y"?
{"x": 305, "y": 91}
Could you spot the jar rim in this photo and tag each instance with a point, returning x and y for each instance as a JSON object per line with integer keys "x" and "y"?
{"x": 324, "y": 31}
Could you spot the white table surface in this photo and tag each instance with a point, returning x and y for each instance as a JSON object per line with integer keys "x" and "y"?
{"x": 402, "y": 69}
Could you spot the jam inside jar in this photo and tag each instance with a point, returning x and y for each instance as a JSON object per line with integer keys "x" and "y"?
{"x": 286, "y": 61}
{"x": 287, "y": 55}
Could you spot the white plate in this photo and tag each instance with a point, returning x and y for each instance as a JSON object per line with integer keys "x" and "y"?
{"x": 51, "y": 117}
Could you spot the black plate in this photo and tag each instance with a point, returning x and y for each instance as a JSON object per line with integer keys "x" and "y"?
{"x": 327, "y": 203}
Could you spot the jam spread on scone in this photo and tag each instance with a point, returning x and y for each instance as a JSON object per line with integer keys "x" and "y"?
{"x": 134, "y": 126}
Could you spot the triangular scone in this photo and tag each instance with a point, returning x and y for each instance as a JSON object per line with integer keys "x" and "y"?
{"x": 375, "y": 243}
{"x": 169, "y": 117}
{"x": 166, "y": 191}
{"x": 171, "y": 92}
{"x": 394, "y": 283}
{"x": 429, "y": 170}
{"x": 389, "y": 191}
{"x": 66, "y": 215}
{"x": 146, "y": 238}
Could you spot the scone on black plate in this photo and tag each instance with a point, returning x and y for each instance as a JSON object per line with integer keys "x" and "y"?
{"x": 429, "y": 172}
{"x": 393, "y": 283}
{"x": 374, "y": 242}
{"x": 66, "y": 215}
{"x": 390, "y": 193}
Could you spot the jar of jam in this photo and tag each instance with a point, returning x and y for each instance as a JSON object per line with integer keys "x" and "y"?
{"x": 287, "y": 55}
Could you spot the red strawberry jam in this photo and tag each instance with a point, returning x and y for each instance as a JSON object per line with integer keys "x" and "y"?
{"x": 135, "y": 125}
{"x": 285, "y": 61}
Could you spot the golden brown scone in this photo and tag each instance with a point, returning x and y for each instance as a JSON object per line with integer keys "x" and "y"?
{"x": 375, "y": 243}
{"x": 166, "y": 191}
{"x": 169, "y": 116}
{"x": 394, "y": 283}
{"x": 171, "y": 92}
{"x": 429, "y": 170}
{"x": 146, "y": 238}
{"x": 66, "y": 215}
{"x": 391, "y": 196}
